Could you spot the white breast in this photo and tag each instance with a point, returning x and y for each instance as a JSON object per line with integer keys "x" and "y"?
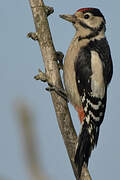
{"x": 69, "y": 71}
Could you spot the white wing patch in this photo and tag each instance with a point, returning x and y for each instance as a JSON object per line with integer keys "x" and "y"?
{"x": 97, "y": 80}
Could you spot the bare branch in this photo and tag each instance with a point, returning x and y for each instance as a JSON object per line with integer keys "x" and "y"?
{"x": 33, "y": 36}
{"x": 53, "y": 77}
{"x": 41, "y": 76}
{"x": 48, "y": 10}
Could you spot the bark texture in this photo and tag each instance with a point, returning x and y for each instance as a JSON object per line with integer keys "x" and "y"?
{"x": 52, "y": 75}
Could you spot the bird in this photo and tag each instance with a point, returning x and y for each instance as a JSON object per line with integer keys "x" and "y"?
{"x": 87, "y": 72}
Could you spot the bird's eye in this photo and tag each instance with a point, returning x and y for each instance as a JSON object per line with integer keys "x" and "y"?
{"x": 86, "y": 16}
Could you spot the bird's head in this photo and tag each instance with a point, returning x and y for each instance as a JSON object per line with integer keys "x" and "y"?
{"x": 87, "y": 20}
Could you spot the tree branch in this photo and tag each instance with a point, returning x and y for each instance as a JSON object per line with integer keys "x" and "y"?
{"x": 53, "y": 77}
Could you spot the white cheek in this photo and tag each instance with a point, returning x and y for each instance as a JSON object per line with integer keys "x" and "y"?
{"x": 94, "y": 22}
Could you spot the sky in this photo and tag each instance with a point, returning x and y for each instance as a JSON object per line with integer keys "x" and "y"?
{"x": 20, "y": 59}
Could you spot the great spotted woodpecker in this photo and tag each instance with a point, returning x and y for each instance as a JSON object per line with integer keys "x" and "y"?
{"x": 87, "y": 72}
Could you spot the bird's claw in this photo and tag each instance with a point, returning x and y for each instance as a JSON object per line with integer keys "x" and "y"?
{"x": 61, "y": 92}
{"x": 60, "y": 57}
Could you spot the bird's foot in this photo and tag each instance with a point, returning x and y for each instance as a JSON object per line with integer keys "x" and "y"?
{"x": 60, "y": 91}
{"x": 60, "y": 57}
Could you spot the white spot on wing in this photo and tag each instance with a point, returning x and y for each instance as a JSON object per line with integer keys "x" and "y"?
{"x": 88, "y": 119}
{"x": 101, "y": 114}
{"x": 94, "y": 117}
{"x": 95, "y": 106}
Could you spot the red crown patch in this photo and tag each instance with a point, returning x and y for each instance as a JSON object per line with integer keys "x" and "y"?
{"x": 84, "y": 9}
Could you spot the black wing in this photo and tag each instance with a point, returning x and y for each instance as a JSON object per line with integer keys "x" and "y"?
{"x": 83, "y": 80}
{"x": 83, "y": 71}
{"x": 94, "y": 109}
{"x": 103, "y": 49}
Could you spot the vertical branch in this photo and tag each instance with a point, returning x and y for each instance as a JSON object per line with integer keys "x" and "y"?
{"x": 53, "y": 76}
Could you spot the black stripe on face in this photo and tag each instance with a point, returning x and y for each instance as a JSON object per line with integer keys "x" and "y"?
{"x": 94, "y": 33}
{"x": 86, "y": 26}
{"x": 82, "y": 23}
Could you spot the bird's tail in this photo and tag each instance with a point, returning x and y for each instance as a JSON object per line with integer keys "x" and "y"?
{"x": 86, "y": 141}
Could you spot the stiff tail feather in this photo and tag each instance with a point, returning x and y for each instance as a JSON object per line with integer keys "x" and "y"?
{"x": 86, "y": 141}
